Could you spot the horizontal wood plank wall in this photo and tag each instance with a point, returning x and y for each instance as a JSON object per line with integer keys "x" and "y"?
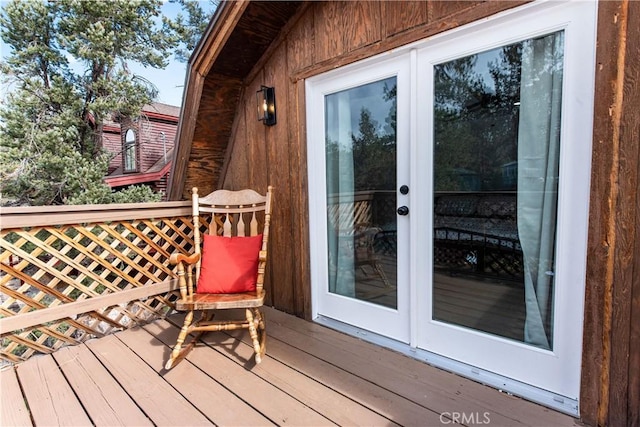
{"x": 611, "y": 356}
{"x": 323, "y": 33}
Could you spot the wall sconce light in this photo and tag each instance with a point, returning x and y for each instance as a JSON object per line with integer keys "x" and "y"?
{"x": 266, "y": 99}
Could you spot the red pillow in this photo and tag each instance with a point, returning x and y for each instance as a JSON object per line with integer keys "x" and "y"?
{"x": 229, "y": 264}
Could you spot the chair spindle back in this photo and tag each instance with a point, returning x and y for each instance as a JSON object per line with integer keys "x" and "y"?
{"x": 227, "y": 213}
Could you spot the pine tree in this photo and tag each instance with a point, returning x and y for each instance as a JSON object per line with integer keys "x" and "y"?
{"x": 67, "y": 71}
{"x": 190, "y": 28}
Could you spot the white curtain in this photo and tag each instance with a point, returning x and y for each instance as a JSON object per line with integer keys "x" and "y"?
{"x": 538, "y": 163}
{"x": 340, "y": 189}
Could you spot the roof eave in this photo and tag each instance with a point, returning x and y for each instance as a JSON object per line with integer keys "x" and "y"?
{"x": 217, "y": 33}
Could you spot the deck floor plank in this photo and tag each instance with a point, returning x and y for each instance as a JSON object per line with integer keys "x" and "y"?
{"x": 390, "y": 405}
{"x": 49, "y": 396}
{"x": 373, "y": 363}
{"x": 278, "y": 406}
{"x": 102, "y": 397}
{"x": 331, "y": 404}
{"x": 161, "y": 402}
{"x": 311, "y": 375}
{"x": 431, "y": 387}
{"x": 13, "y": 411}
{"x": 219, "y": 405}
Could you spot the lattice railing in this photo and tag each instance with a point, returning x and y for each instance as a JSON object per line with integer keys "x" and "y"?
{"x": 69, "y": 273}
{"x": 345, "y": 211}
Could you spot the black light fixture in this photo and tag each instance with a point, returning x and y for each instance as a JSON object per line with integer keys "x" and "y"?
{"x": 266, "y": 99}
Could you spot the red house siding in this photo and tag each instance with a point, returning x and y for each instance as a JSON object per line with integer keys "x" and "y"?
{"x": 155, "y": 138}
{"x": 112, "y": 142}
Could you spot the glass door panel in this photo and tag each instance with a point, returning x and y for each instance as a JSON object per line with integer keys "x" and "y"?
{"x": 496, "y": 162}
{"x": 506, "y": 184}
{"x": 360, "y": 149}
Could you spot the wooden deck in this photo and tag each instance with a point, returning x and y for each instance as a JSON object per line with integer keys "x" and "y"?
{"x": 484, "y": 304}
{"x": 311, "y": 376}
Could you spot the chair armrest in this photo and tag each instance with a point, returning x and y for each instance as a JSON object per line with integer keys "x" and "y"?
{"x": 188, "y": 259}
{"x": 186, "y": 286}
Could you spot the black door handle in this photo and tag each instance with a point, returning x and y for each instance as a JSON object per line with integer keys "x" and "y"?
{"x": 403, "y": 210}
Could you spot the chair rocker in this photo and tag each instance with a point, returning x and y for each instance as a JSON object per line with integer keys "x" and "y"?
{"x": 226, "y": 270}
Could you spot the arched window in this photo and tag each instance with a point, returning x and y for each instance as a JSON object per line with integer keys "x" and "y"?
{"x": 130, "y": 163}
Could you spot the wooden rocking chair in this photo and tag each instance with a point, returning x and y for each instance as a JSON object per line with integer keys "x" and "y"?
{"x": 229, "y": 267}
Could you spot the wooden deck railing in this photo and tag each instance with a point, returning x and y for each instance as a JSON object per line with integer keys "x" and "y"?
{"x": 69, "y": 273}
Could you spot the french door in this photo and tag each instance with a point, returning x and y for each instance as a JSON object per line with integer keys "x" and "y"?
{"x": 448, "y": 187}
{"x": 359, "y": 160}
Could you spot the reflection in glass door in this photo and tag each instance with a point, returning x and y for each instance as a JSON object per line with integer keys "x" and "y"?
{"x": 496, "y": 164}
{"x": 360, "y": 149}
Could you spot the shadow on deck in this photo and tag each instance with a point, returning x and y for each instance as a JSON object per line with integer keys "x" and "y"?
{"x": 312, "y": 375}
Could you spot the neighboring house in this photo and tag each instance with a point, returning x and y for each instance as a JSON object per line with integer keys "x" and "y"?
{"x": 143, "y": 147}
{"x": 505, "y": 136}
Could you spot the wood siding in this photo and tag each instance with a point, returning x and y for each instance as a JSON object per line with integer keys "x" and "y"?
{"x": 611, "y": 355}
{"x": 321, "y": 36}
{"x": 151, "y": 147}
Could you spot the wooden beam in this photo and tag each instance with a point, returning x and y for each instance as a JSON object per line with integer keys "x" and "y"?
{"x": 621, "y": 406}
{"x": 42, "y": 216}
{"x": 299, "y": 200}
{"x": 608, "y": 385}
{"x": 217, "y": 35}
{"x": 184, "y": 134}
{"x": 38, "y": 317}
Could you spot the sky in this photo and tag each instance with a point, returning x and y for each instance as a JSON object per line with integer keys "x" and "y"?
{"x": 170, "y": 81}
